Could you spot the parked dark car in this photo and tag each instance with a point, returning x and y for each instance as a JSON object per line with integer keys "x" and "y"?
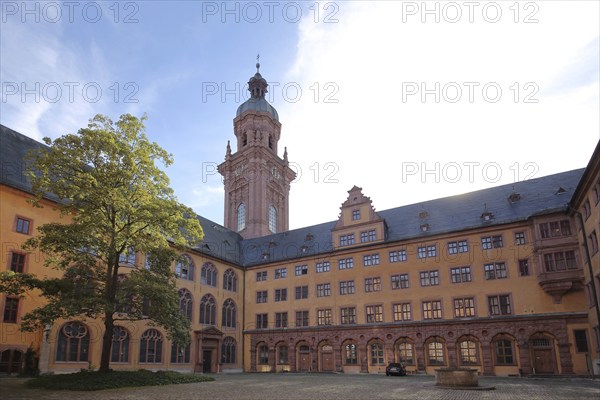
{"x": 395, "y": 369}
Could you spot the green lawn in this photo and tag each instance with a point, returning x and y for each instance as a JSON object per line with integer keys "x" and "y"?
{"x": 87, "y": 380}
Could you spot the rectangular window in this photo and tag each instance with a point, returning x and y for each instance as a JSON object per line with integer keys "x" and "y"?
{"x": 346, "y": 287}
{"x": 402, "y": 312}
{"x": 581, "y": 342}
{"x": 374, "y": 314}
{"x": 371, "y": 259}
{"x": 452, "y": 247}
{"x": 323, "y": 266}
{"x": 368, "y": 236}
{"x": 301, "y": 270}
{"x": 372, "y": 284}
{"x": 23, "y": 225}
{"x": 17, "y": 262}
{"x": 524, "y": 267}
{"x": 281, "y": 294}
{"x": 261, "y": 296}
{"x": 348, "y": 315}
{"x": 555, "y": 229}
{"x": 281, "y": 320}
{"x": 261, "y": 276}
{"x": 400, "y": 281}
{"x": 397, "y": 256}
{"x": 11, "y": 309}
{"x": 301, "y": 292}
{"x": 346, "y": 263}
{"x": 463, "y": 246}
{"x": 324, "y": 289}
{"x": 495, "y": 271}
{"x": 427, "y": 251}
{"x": 262, "y": 321}
{"x": 460, "y": 274}
{"x": 492, "y": 242}
{"x": 280, "y": 273}
{"x": 347, "y": 240}
{"x": 301, "y": 318}
{"x": 355, "y": 215}
{"x": 432, "y": 309}
{"x": 587, "y": 209}
{"x": 499, "y": 305}
{"x": 520, "y": 238}
{"x": 464, "y": 307}
{"x": 430, "y": 278}
{"x": 324, "y": 317}
{"x": 560, "y": 261}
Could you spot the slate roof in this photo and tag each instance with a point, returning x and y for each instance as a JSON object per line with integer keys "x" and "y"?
{"x": 538, "y": 196}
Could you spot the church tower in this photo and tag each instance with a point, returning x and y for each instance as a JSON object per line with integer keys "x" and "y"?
{"x": 257, "y": 181}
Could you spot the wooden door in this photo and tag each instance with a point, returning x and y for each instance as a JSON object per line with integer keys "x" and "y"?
{"x": 327, "y": 362}
{"x": 543, "y": 361}
{"x": 304, "y": 362}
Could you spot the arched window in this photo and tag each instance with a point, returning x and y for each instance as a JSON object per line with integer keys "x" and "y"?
{"x": 270, "y": 141}
{"x": 263, "y": 354}
{"x": 208, "y": 310}
{"x": 185, "y": 303}
{"x": 208, "y": 275}
{"x": 244, "y": 139}
{"x": 272, "y": 219}
{"x": 120, "y": 345}
{"x": 504, "y": 351}
{"x": 435, "y": 351}
{"x": 350, "y": 354}
{"x": 151, "y": 344}
{"x": 73, "y": 342}
{"x": 230, "y": 280}
{"x": 184, "y": 269}
{"x": 467, "y": 351}
{"x": 228, "y": 350}
{"x": 180, "y": 354}
{"x": 229, "y": 314}
{"x": 405, "y": 352}
{"x": 241, "y": 217}
{"x": 376, "y": 352}
{"x": 283, "y": 355}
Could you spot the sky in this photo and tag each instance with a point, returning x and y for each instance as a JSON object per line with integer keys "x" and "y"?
{"x": 410, "y": 101}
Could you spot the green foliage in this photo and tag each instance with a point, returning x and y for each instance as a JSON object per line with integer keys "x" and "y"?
{"x": 88, "y": 380}
{"x": 31, "y": 363}
{"x": 114, "y": 199}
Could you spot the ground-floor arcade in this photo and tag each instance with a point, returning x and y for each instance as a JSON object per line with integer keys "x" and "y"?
{"x": 508, "y": 346}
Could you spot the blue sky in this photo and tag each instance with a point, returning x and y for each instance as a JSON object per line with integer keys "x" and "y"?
{"x": 409, "y": 102}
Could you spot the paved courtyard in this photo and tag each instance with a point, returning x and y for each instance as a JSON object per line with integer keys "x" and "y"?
{"x": 324, "y": 386}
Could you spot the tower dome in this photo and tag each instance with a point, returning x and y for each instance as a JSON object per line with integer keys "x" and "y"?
{"x": 257, "y": 86}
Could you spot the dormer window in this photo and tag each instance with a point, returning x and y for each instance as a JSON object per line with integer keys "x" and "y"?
{"x": 423, "y": 214}
{"x": 424, "y": 227}
{"x": 514, "y": 197}
{"x": 487, "y": 216}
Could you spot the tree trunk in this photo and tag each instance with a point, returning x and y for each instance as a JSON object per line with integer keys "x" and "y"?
{"x": 107, "y": 342}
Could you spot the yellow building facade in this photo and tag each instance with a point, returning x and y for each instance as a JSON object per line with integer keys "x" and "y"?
{"x": 497, "y": 280}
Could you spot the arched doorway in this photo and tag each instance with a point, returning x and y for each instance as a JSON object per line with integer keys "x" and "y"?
{"x": 326, "y": 352}
{"x": 304, "y": 359}
{"x": 542, "y": 354}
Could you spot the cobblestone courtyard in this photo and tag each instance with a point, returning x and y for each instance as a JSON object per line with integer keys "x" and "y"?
{"x": 325, "y": 386}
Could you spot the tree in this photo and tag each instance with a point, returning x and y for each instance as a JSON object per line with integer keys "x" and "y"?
{"x": 115, "y": 200}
